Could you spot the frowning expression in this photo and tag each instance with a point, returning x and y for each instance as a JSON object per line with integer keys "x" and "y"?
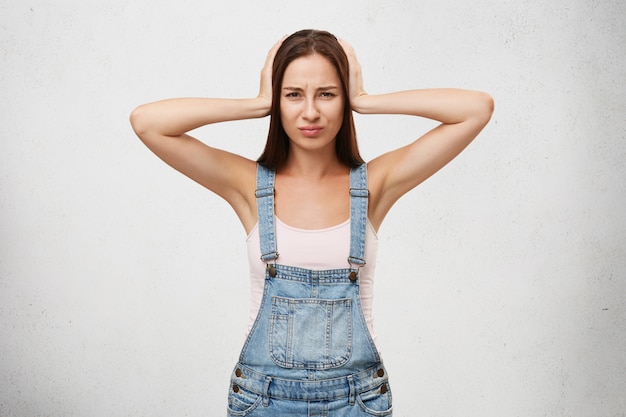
{"x": 311, "y": 103}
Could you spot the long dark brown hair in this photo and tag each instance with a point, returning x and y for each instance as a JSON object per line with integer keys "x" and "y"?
{"x": 301, "y": 44}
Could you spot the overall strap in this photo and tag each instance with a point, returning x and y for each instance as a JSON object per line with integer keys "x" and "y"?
{"x": 265, "y": 211}
{"x": 358, "y": 214}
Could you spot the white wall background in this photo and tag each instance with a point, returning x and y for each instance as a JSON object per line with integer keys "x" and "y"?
{"x": 500, "y": 292}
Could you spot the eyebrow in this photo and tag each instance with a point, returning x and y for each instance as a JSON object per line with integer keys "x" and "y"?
{"x": 325, "y": 88}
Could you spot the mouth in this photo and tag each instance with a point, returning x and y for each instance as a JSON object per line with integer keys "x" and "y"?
{"x": 310, "y": 131}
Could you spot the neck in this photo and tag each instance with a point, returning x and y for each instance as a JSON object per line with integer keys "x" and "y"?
{"x": 312, "y": 165}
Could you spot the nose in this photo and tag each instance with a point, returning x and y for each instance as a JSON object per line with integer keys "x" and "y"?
{"x": 310, "y": 111}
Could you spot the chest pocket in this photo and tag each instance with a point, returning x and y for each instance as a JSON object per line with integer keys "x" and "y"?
{"x": 310, "y": 333}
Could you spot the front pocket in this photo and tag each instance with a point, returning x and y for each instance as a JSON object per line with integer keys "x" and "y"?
{"x": 310, "y": 333}
{"x": 377, "y": 402}
{"x": 242, "y": 402}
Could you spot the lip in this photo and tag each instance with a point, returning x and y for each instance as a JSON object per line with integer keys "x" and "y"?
{"x": 310, "y": 131}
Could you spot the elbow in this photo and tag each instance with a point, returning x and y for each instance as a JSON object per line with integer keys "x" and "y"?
{"x": 482, "y": 108}
{"x": 139, "y": 121}
{"x": 487, "y": 106}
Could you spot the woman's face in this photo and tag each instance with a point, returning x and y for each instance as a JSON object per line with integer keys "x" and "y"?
{"x": 311, "y": 103}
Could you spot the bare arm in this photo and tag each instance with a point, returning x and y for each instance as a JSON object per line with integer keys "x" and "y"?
{"x": 163, "y": 127}
{"x": 462, "y": 114}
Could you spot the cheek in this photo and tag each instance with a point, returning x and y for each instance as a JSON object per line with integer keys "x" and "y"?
{"x": 339, "y": 107}
{"x": 287, "y": 108}
{"x": 338, "y": 112}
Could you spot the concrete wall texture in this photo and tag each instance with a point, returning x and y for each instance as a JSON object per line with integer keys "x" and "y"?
{"x": 501, "y": 280}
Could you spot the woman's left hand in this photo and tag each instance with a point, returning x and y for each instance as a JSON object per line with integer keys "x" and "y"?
{"x": 356, "y": 90}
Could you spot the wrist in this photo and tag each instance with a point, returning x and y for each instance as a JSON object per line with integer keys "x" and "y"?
{"x": 261, "y": 106}
{"x": 361, "y": 104}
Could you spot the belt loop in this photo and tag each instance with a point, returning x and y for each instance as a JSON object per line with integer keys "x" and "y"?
{"x": 352, "y": 390}
{"x": 266, "y": 391}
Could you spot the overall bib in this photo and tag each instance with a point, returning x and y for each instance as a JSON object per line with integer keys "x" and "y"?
{"x": 309, "y": 352}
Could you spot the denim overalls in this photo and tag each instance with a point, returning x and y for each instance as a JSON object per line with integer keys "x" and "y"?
{"x": 309, "y": 352}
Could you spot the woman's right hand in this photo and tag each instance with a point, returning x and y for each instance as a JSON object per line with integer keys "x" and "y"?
{"x": 265, "y": 90}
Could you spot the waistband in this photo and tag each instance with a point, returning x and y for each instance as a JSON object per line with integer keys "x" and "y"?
{"x": 306, "y": 390}
{"x": 330, "y": 276}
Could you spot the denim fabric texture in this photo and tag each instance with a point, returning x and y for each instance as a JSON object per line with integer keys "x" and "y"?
{"x": 309, "y": 352}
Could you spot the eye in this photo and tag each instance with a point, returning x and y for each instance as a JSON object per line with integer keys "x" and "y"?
{"x": 327, "y": 94}
{"x": 293, "y": 94}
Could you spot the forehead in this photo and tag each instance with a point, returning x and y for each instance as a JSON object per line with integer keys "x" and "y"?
{"x": 312, "y": 70}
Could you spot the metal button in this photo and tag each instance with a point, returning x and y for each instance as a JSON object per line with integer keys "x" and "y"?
{"x": 380, "y": 373}
{"x": 383, "y": 389}
{"x": 352, "y": 276}
{"x": 272, "y": 271}
{"x": 235, "y": 388}
{"x": 238, "y": 373}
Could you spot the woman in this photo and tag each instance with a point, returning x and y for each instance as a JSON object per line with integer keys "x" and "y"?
{"x": 311, "y": 208}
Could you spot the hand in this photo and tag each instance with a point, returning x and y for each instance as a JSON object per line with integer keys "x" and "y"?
{"x": 265, "y": 90}
{"x": 356, "y": 90}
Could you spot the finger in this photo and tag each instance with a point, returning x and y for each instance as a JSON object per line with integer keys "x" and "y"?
{"x": 347, "y": 48}
{"x": 272, "y": 52}
{"x": 350, "y": 54}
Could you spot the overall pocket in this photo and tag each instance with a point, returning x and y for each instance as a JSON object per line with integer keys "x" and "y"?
{"x": 310, "y": 333}
{"x": 376, "y": 402}
{"x": 242, "y": 402}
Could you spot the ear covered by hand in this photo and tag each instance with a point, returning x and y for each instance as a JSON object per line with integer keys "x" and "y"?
{"x": 356, "y": 89}
{"x": 265, "y": 88}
